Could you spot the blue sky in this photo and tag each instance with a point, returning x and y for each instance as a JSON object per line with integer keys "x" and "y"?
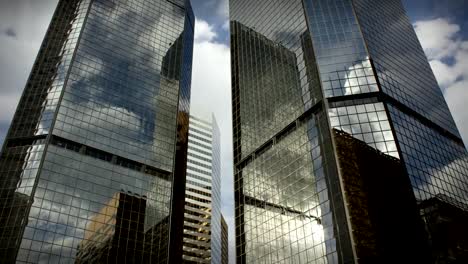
{"x": 454, "y": 10}
{"x": 441, "y": 25}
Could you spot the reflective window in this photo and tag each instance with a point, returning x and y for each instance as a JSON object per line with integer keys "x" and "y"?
{"x": 402, "y": 67}
{"x": 436, "y": 164}
{"x": 284, "y": 174}
{"x": 342, "y": 58}
{"x": 366, "y": 122}
{"x": 88, "y": 166}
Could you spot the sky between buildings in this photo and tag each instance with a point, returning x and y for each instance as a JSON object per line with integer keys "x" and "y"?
{"x": 442, "y": 27}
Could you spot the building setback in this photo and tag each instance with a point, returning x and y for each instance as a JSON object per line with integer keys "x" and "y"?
{"x": 311, "y": 81}
{"x": 202, "y": 235}
{"x": 93, "y": 166}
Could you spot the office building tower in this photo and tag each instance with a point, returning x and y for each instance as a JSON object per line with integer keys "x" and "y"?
{"x": 202, "y": 235}
{"x": 118, "y": 225}
{"x": 224, "y": 241}
{"x": 93, "y": 165}
{"x": 311, "y": 81}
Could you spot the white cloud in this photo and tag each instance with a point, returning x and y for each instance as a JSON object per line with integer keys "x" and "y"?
{"x": 448, "y": 75}
{"x": 441, "y": 42}
{"x": 204, "y": 32}
{"x": 211, "y": 93}
{"x": 225, "y": 25}
{"x": 459, "y": 183}
{"x": 444, "y": 73}
{"x": 437, "y": 37}
{"x": 457, "y": 97}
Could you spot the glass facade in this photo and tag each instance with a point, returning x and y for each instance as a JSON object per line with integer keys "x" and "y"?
{"x": 289, "y": 207}
{"x": 342, "y": 59}
{"x": 90, "y": 166}
{"x": 202, "y": 194}
{"x": 401, "y": 66}
{"x": 366, "y": 120}
{"x": 310, "y": 79}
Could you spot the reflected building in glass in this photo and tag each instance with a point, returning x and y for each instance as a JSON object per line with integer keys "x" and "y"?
{"x": 341, "y": 136}
{"x": 202, "y": 235}
{"x": 93, "y": 166}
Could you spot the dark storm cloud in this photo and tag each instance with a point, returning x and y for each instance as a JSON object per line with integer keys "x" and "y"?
{"x": 10, "y": 32}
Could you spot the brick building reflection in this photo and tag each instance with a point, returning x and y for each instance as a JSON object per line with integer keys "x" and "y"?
{"x": 383, "y": 210}
{"x": 446, "y": 224}
{"x": 116, "y": 234}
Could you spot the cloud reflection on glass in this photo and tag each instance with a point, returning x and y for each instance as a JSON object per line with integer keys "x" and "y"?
{"x": 89, "y": 159}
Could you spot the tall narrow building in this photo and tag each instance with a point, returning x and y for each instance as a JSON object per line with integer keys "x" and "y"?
{"x": 93, "y": 167}
{"x": 311, "y": 81}
{"x": 202, "y": 235}
{"x": 224, "y": 241}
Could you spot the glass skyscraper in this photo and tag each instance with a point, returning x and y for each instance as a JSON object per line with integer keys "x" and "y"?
{"x": 202, "y": 233}
{"x": 93, "y": 166}
{"x": 344, "y": 148}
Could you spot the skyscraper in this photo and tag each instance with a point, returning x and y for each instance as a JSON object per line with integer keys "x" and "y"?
{"x": 311, "y": 79}
{"x": 224, "y": 241}
{"x": 202, "y": 235}
{"x": 93, "y": 166}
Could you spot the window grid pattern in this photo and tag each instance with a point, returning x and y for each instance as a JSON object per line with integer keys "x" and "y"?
{"x": 374, "y": 72}
{"x": 216, "y": 229}
{"x": 224, "y": 242}
{"x": 76, "y": 214}
{"x": 276, "y": 59}
{"x": 366, "y": 122}
{"x": 286, "y": 213}
{"x": 436, "y": 165}
{"x": 20, "y": 167}
{"x": 274, "y": 73}
{"x": 24, "y": 145}
{"x": 122, "y": 94}
{"x": 340, "y": 50}
{"x": 402, "y": 67}
{"x": 200, "y": 194}
{"x": 275, "y": 90}
{"x": 96, "y": 126}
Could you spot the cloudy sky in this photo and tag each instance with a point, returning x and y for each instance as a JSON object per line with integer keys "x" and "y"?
{"x": 441, "y": 25}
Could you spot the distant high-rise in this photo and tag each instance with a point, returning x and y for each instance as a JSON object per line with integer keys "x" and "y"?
{"x": 224, "y": 241}
{"x": 310, "y": 80}
{"x": 93, "y": 166}
{"x": 202, "y": 235}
